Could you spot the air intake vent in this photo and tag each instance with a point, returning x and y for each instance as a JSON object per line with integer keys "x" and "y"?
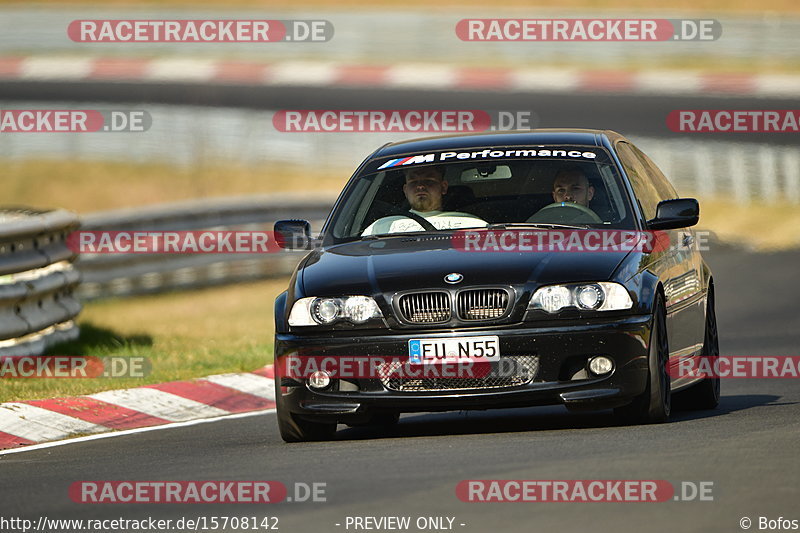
{"x": 513, "y": 371}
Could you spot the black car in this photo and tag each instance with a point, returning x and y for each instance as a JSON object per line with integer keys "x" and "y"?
{"x": 544, "y": 267}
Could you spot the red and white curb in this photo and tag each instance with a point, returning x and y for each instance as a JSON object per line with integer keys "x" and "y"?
{"x": 398, "y": 76}
{"x": 38, "y": 421}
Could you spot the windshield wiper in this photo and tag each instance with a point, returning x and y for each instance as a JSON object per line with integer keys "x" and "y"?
{"x": 507, "y": 225}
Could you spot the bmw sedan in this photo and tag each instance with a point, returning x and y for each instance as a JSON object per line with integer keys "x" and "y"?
{"x": 495, "y": 270}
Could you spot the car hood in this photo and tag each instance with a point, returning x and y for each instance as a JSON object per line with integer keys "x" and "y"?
{"x": 399, "y": 264}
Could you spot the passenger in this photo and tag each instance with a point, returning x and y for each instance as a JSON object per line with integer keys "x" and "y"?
{"x": 424, "y": 189}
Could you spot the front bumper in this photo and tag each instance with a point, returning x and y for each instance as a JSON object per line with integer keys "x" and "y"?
{"x": 562, "y": 347}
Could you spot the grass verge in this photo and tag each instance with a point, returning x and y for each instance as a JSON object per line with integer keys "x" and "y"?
{"x": 88, "y": 186}
{"x": 759, "y": 226}
{"x": 184, "y": 335}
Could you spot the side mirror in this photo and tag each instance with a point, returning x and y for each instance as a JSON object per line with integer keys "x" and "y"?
{"x": 676, "y": 213}
{"x": 293, "y": 234}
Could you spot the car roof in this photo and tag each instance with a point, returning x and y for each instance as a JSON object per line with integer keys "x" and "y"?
{"x": 572, "y": 136}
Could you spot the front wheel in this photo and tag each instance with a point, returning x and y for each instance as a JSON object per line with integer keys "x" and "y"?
{"x": 705, "y": 394}
{"x": 654, "y": 404}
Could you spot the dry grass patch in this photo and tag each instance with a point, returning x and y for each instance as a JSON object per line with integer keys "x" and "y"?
{"x": 764, "y": 227}
{"x": 88, "y": 186}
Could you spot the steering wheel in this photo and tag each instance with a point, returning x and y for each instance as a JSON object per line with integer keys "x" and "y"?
{"x": 393, "y": 210}
{"x": 565, "y": 212}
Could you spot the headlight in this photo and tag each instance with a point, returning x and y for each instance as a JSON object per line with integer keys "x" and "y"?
{"x": 602, "y": 296}
{"x": 589, "y": 296}
{"x": 322, "y": 311}
{"x": 359, "y": 309}
{"x": 552, "y": 299}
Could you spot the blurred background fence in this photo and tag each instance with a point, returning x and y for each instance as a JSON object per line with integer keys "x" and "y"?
{"x": 107, "y": 275}
{"x": 386, "y": 36}
{"x": 191, "y": 136}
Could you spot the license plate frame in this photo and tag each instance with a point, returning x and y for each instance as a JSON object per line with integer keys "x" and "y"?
{"x": 454, "y": 350}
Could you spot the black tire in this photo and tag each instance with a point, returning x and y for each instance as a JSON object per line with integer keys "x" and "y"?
{"x": 704, "y": 394}
{"x": 294, "y": 429}
{"x": 653, "y": 406}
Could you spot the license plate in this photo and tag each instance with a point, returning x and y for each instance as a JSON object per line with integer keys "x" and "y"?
{"x": 454, "y": 350}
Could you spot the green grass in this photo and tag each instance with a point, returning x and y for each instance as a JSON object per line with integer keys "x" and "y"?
{"x": 183, "y": 335}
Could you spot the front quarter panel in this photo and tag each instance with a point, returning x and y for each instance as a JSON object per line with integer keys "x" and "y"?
{"x": 642, "y": 283}
{"x": 280, "y": 313}
{"x": 284, "y": 301}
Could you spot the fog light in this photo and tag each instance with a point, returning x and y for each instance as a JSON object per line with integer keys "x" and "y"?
{"x": 319, "y": 380}
{"x": 601, "y": 365}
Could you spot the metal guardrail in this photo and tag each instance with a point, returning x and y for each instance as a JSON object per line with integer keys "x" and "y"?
{"x": 37, "y": 280}
{"x": 108, "y": 275}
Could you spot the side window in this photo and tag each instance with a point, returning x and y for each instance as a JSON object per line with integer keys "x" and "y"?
{"x": 665, "y": 189}
{"x": 641, "y": 181}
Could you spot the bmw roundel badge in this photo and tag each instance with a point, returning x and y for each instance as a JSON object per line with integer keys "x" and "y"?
{"x": 453, "y": 278}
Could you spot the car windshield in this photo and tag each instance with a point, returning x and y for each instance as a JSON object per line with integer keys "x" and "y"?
{"x": 573, "y": 186}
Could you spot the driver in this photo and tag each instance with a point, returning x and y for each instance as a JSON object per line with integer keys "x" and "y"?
{"x": 571, "y": 188}
{"x": 572, "y": 185}
{"x": 424, "y": 188}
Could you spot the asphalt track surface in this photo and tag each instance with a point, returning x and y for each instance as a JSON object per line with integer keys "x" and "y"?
{"x": 637, "y": 114}
{"x": 747, "y": 448}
